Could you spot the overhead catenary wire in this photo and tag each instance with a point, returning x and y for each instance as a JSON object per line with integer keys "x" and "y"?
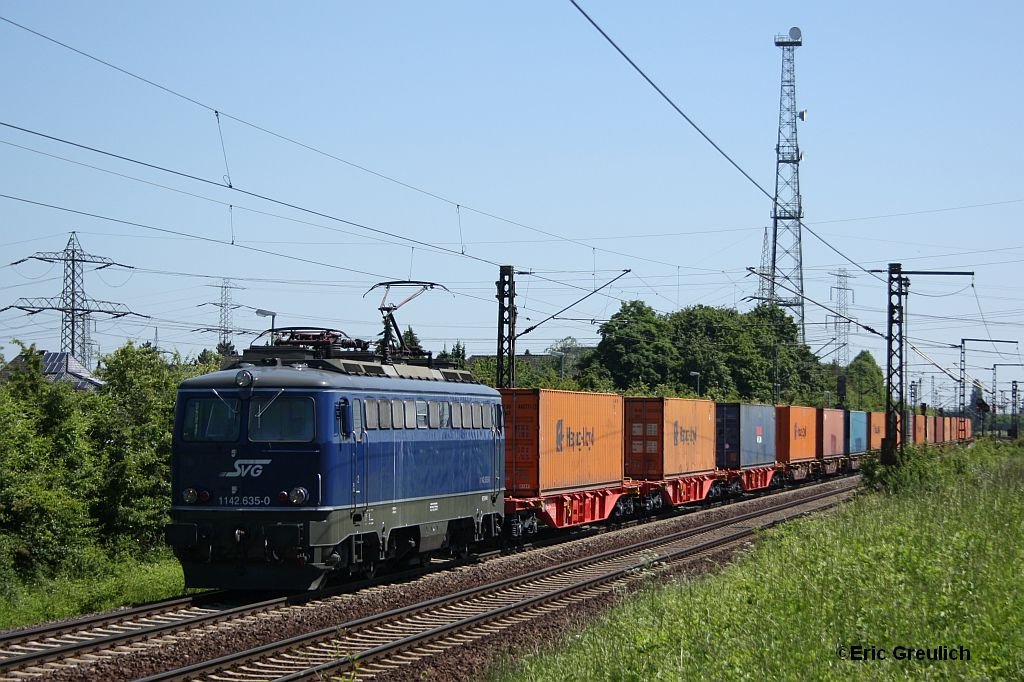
{"x": 255, "y": 195}
{"x": 721, "y": 151}
{"x": 220, "y": 112}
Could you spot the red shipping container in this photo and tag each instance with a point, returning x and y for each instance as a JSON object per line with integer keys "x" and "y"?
{"x": 948, "y": 429}
{"x": 919, "y": 429}
{"x": 876, "y": 430}
{"x": 932, "y": 430}
{"x": 796, "y": 433}
{"x": 831, "y": 432}
{"x": 667, "y": 437}
{"x": 560, "y": 441}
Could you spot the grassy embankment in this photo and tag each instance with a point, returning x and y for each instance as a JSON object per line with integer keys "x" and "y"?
{"x": 935, "y": 561}
{"x": 113, "y": 585}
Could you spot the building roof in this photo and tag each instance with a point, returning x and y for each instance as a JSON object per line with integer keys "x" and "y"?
{"x": 59, "y": 367}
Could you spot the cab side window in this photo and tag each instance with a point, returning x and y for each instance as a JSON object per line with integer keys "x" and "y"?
{"x": 357, "y": 418}
{"x": 372, "y": 420}
{"x": 397, "y": 414}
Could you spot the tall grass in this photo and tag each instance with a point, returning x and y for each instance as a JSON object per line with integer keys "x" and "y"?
{"x": 933, "y": 561}
{"x": 119, "y": 583}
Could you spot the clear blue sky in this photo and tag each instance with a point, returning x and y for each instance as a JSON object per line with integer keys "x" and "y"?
{"x": 521, "y": 110}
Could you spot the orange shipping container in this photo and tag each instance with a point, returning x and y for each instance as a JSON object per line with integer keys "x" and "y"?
{"x": 876, "y": 430}
{"x": 558, "y": 441}
{"x": 831, "y": 432}
{"x": 919, "y": 429}
{"x": 668, "y": 437}
{"x": 933, "y": 434}
{"x": 948, "y": 429}
{"x": 796, "y": 433}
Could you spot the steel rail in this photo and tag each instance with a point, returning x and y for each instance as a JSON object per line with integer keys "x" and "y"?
{"x": 93, "y": 634}
{"x": 324, "y": 636}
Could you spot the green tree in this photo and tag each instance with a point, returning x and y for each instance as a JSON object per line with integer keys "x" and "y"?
{"x": 635, "y": 347}
{"x": 865, "y": 384}
{"x": 47, "y": 474}
{"x": 412, "y": 342}
{"x": 134, "y": 424}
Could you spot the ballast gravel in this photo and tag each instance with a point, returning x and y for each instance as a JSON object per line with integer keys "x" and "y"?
{"x": 208, "y": 642}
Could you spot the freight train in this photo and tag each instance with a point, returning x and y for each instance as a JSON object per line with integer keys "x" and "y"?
{"x": 308, "y": 456}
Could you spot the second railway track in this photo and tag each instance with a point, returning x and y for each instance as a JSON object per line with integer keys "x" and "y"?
{"x": 133, "y": 643}
{"x": 392, "y": 641}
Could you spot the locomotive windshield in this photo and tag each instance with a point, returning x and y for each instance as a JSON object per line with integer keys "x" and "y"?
{"x": 211, "y": 420}
{"x": 276, "y": 418}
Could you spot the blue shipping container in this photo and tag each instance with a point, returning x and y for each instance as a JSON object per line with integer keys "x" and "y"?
{"x": 744, "y": 435}
{"x": 856, "y": 432}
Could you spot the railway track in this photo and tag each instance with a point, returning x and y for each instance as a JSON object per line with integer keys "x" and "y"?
{"x": 25, "y": 653}
{"x": 384, "y": 643}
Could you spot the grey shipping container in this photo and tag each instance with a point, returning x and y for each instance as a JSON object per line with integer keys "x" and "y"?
{"x": 745, "y": 435}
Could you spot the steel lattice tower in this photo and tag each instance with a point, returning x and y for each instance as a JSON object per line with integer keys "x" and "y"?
{"x": 765, "y": 271}
{"x": 225, "y": 311}
{"x": 74, "y": 305}
{"x": 787, "y": 272}
{"x": 841, "y": 321}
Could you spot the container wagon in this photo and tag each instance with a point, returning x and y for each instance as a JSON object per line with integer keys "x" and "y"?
{"x": 856, "y": 428}
{"x": 670, "y": 449}
{"x": 745, "y": 445}
{"x": 876, "y": 430}
{"x": 920, "y": 433}
{"x": 563, "y": 459}
{"x": 831, "y": 439}
{"x": 796, "y": 440}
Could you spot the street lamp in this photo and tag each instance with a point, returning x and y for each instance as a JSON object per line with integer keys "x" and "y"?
{"x": 696, "y": 374}
{"x": 273, "y": 321}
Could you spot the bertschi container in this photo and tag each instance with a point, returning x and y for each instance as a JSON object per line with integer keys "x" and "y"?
{"x": 744, "y": 435}
{"x": 919, "y": 429}
{"x": 831, "y": 432}
{"x": 561, "y": 441}
{"x": 876, "y": 430}
{"x": 856, "y": 432}
{"x": 669, "y": 437}
{"x": 796, "y": 433}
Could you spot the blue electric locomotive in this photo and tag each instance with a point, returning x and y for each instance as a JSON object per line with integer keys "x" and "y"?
{"x": 309, "y": 456}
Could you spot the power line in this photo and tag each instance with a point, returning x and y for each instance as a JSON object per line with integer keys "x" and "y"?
{"x": 219, "y": 112}
{"x": 254, "y": 195}
{"x": 722, "y": 152}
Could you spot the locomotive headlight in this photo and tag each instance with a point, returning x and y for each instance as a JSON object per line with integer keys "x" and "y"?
{"x": 243, "y": 379}
{"x": 298, "y": 495}
{"x": 190, "y": 495}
